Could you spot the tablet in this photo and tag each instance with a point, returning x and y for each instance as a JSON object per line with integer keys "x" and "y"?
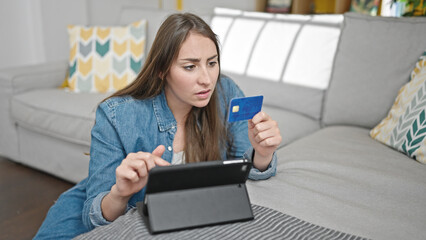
{"x": 197, "y": 175}
{"x": 196, "y": 194}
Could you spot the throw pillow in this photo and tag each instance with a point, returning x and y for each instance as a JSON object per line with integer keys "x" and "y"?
{"x": 105, "y": 59}
{"x": 404, "y": 128}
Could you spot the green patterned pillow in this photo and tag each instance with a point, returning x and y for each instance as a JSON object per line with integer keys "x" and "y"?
{"x": 404, "y": 128}
{"x": 105, "y": 59}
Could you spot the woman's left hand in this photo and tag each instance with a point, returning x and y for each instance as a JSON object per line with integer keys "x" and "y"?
{"x": 264, "y": 135}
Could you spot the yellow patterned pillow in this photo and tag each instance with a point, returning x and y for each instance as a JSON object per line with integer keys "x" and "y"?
{"x": 404, "y": 128}
{"x": 105, "y": 59}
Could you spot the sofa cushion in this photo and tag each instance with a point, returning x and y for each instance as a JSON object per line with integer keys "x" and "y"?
{"x": 58, "y": 113}
{"x": 340, "y": 178}
{"x": 404, "y": 128}
{"x": 71, "y": 115}
{"x": 374, "y": 59}
{"x": 279, "y": 53}
{"x": 105, "y": 59}
{"x": 292, "y": 125}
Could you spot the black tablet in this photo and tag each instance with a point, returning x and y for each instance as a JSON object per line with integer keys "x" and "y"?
{"x": 196, "y": 194}
{"x": 196, "y": 175}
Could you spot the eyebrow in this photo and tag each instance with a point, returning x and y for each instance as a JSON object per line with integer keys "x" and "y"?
{"x": 198, "y": 59}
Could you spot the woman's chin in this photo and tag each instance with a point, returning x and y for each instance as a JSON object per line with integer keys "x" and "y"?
{"x": 202, "y": 103}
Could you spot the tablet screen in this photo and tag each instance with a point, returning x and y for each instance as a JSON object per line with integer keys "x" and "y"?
{"x": 196, "y": 175}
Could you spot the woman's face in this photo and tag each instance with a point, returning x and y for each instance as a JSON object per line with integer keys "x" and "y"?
{"x": 193, "y": 75}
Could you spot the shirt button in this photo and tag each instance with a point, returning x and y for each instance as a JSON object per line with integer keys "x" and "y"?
{"x": 169, "y": 148}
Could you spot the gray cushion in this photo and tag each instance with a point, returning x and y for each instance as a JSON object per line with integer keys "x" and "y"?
{"x": 292, "y": 125}
{"x": 303, "y": 100}
{"x": 342, "y": 179}
{"x": 57, "y": 113}
{"x": 374, "y": 59}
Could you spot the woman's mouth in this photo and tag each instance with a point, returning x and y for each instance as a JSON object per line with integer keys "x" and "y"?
{"x": 203, "y": 94}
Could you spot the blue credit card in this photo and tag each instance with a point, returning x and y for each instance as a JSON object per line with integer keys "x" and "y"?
{"x": 244, "y": 108}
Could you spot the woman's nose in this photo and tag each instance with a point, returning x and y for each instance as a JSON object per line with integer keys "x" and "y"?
{"x": 204, "y": 77}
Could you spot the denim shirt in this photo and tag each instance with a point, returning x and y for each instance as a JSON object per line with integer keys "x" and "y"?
{"x": 125, "y": 125}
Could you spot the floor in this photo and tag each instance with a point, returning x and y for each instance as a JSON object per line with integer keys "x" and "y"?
{"x": 25, "y": 196}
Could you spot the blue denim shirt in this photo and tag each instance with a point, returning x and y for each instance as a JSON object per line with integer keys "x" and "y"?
{"x": 125, "y": 125}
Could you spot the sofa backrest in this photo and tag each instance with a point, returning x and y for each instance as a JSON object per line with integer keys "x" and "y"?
{"x": 285, "y": 57}
{"x": 374, "y": 60}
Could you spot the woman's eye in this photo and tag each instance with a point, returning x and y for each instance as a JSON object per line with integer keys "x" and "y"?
{"x": 213, "y": 63}
{"x": 189, "y": 67}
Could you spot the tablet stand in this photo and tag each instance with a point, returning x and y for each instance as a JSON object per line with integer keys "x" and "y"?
{"x": 202, "y": 204}
{"x": 190, "y": 208}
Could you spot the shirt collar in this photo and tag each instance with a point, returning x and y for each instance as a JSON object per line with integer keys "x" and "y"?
{"x": 163, "y": 114}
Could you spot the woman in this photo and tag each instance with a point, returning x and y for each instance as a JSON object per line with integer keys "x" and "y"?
{"x": 174, "y": 112}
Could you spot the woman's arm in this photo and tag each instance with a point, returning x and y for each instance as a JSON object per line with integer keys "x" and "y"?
{"x": 114, "y": 177}
{"x": 106, "y": 154}
{"x": 264, "y": 162}
{"x": 131, "y": 177}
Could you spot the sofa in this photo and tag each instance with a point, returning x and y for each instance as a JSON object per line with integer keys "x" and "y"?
{"x": 327, "y": 80}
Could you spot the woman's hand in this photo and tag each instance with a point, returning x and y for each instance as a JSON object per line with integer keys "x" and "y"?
{"x": 265, "y": 137}
{"x": 131, "y": 177}
{"x": 132, "y": 174}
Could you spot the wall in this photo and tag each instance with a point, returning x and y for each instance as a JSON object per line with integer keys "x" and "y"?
{"x": 18, "y": 40}
{"x": 34, "y": 31}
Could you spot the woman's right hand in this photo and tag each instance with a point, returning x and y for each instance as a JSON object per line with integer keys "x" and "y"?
{"x": 132, "y": 174}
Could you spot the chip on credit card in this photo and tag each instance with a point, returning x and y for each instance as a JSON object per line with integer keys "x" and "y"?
{"x": 244, "y": 108}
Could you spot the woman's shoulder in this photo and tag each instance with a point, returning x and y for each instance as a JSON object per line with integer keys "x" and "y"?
{"x": 226, "y": 81}
{"x": 228, "y": 87}
{"x": 124, "y": 102}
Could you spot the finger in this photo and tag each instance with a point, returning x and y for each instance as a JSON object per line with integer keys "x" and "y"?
{"x": 161, "y": 162}
{"x": 153, "y": 161}
{"x": 262, "y": 126}
{"x": 250, "y": 124}
{"x": 127, "y": 173}
{"x": 260, "y": 117}
{"x": 159, "y": 151}
{"x": 138, "y": 155}
{"x": 150, "y": 159}
{"x": 131, "y": 156}
{"x": 271, "y": 142}
{"x": 138, "y": 165}
{"x": 259, "y": 137}
{"x": 155, "y": 158}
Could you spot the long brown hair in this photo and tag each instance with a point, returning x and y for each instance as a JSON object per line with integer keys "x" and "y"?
{"x": 205, "y": 133}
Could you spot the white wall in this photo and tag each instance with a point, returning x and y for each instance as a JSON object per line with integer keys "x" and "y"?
{"x": 29, "y": 29}
{"x": 18, "y": 43}
{"x": 34, "y": 31}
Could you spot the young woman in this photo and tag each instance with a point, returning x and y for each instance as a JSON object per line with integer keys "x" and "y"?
{"x": 174, "y": 112}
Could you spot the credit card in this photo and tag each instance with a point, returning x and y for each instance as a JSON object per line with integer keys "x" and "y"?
{"x": 244, "y": 108}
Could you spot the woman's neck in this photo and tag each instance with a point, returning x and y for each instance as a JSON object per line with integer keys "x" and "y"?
{"x": 180, "y": 111}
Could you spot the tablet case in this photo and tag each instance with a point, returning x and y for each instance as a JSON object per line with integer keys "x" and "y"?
{"x": 195, "y": 195}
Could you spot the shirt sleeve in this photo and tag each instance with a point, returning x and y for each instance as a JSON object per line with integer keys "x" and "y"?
{"x": 106, "y": 153}
{"x": 256, "y": 174}
{"x": 95, "y": 214}
{"x": 96, "y": 217}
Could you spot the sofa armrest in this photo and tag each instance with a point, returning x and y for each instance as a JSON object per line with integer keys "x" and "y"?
{"x": 17, "y": 80}
{"x": 24, "y": 78}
